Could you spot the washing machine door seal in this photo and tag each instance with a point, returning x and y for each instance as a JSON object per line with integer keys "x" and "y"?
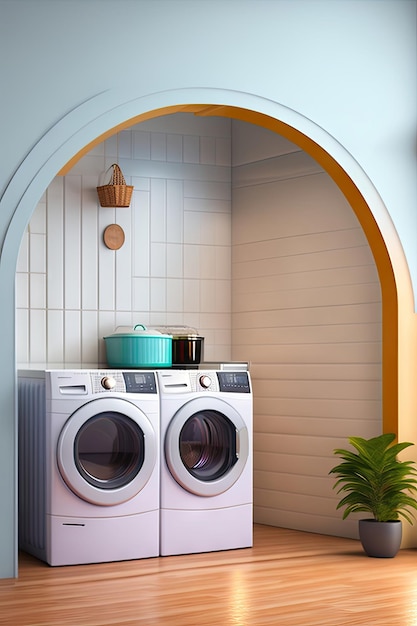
{"x": 107, "y": 451}
{"x": 206, "y": 446}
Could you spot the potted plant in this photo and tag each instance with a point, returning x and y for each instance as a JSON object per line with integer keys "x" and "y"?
{"x": 375, "y": 481}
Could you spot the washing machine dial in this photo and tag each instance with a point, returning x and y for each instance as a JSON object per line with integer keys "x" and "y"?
{"x": 108, "y": 382}
{"x": 205, "y": 381}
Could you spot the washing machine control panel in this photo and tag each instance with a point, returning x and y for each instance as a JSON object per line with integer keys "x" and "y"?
{"x": 234, "y": 382}
{"x": 228, "y": 382}
{"x": 211, "y": 381}
{"x": 140, "y": 382}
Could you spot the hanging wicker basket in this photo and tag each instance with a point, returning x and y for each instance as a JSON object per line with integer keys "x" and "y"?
{"x": 116, "y": 193}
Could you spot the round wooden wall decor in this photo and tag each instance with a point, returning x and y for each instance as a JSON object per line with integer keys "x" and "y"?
{"x": 114, "y": 236}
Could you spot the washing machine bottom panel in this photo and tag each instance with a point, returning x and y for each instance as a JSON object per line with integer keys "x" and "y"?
{"x": 76, "y": 541}
{"x": 190, "y": 532}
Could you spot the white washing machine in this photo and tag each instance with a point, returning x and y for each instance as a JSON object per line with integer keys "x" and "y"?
{"x": 88, "y": 465}
{"x": 206, "y": 461}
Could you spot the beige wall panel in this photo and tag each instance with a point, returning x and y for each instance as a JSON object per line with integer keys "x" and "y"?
{"x": 341, "y": 409}
{"x": 319, "y": 353}
{"x": 296, "y": 502}
{"x": 294, "y": 207}
{"x": 342, "y": 333}
{"x": 315, "y": 278}
{"x": 281, "y": 463}
{"x": 306, "y": 522}
{"x": 277, "y": 245}
{"x": 316, "y": 389}
{"x": 369, "y": 312}
{"x": 344, "y": 371}
{"x": 292, "y": 264}
{"x": 306, "y": 308}
{"x": 309, "y": 426}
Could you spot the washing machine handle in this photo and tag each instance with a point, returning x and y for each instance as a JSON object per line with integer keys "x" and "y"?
{"x": 237, "y": 444}
{"x": 242, "y": 443}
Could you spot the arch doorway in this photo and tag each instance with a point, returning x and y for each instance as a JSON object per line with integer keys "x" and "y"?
{"x": 85, "y": 127}
{"x": 306, "y": 296}
{"x": 354, "y": 197}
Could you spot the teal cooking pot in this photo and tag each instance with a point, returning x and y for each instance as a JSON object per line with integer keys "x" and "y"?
{"x": 138, "y": 348}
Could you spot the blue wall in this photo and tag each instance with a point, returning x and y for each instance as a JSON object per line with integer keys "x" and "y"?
{"x": 343, "y": 72}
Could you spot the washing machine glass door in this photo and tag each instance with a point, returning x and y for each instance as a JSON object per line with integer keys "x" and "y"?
{"x": 206, "y": 446}
{"x": 107, "y": 451}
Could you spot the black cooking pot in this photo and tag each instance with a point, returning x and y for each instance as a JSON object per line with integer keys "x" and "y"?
{"x": 187, "y": 349}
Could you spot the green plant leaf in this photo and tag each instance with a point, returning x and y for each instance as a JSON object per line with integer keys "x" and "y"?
{"x": 371, "y": 479}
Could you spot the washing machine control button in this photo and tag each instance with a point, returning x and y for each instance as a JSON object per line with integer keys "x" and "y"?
{"x": 108, "y": 382}
{"x": 205, "y": 381}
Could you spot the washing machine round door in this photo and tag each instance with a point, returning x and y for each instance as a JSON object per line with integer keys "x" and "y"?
{"x": 107, "y": 451}
{"x": 206, "y": 446}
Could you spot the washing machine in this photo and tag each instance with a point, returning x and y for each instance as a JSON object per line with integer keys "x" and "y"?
{"x": 88, "y": 465}
{"x": 206, "y": 461}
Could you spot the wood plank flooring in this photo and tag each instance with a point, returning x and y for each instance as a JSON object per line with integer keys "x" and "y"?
{"x": 289, "y": 578}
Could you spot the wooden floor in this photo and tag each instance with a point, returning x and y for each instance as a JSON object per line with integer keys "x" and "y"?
{"x": 288, "y": 578}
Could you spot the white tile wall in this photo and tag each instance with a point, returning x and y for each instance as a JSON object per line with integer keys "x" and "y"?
{"x": 174, "y": 267}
